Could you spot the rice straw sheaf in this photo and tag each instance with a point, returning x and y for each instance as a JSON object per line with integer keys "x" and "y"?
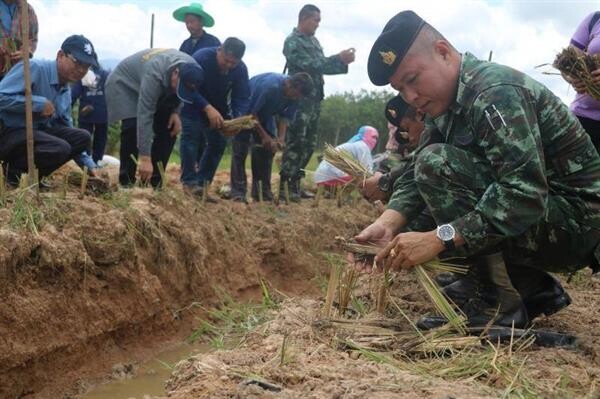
{"x": 579, "y": 66}
{"x": 345, "y": 162}
{"x": 234, "y": 126}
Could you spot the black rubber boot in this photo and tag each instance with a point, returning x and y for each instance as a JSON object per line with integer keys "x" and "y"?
{"x": 542, "y": 293}
{"x": 294, "y": 190}
{"x": 500, "y": 306}
{"x": 446, "y": 278}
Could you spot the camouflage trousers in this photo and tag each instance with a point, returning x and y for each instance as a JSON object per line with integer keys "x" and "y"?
{"x": 301, "y": 139}
{"x": 451, "y": 181}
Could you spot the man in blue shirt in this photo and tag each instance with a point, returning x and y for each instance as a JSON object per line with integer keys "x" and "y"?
{"x": 224, "y": 94}
{"x": 92, "y": 114}
{"x": 195, "y": 19}
{"x": 56, "y": 141}
{"x": 272, "y": 95}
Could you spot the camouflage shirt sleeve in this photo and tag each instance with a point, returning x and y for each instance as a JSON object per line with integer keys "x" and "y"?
{"x": 406, "y": 198}
{"x": 505, "y": 123}
{"x": 308, "y": 57}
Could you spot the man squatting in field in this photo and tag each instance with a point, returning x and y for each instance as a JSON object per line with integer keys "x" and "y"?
{"x": 508, "y": 174}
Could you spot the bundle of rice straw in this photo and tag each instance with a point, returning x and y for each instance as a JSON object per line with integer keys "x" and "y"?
{"x": 579, "y": 66}
{"x": 9, "y": 45}
{"x": 234, "y": 126}
{"x": 438, "y": 299}
{"x": 345, "y": 162}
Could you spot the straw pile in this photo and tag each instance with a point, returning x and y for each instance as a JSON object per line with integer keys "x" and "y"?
{"x": 579, "y": 66}
{"x": 345, "y": 162}
{"x": 441, "y": 303}
{"x": 234, "y": 126}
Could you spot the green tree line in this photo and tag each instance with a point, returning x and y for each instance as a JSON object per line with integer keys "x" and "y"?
{"x": 342, "y": 115}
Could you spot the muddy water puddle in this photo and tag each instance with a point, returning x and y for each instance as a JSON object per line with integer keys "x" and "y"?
{"x": 145, "y": 380}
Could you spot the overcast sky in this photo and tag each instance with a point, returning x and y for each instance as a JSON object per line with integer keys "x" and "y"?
{"x": 521, "y": 34}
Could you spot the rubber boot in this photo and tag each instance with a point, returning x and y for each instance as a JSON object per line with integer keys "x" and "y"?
{"x": 496, "y": 302}
{"x": 542, "y": 293}
{"x": 446, "y": 278}
{"x": 294, "y": 185}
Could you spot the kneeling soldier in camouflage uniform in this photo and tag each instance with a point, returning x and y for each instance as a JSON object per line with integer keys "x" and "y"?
{"x": 509, "y": 175}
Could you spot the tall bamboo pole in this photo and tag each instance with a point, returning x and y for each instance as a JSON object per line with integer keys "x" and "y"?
{"x": 28, "y": 102}
{"x": 152, "y": 32}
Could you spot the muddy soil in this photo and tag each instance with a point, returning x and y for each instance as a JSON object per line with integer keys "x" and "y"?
{"x": 87, "y": 283}
{"x": 315, "y": 365}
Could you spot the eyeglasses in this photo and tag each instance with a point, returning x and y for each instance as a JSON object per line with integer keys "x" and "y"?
{"x": 79, "y": 64}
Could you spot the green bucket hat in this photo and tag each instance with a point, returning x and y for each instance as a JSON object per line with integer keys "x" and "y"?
{"x": 196, "y": 9}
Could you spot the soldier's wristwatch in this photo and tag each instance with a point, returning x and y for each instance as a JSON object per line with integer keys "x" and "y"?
{"x": 446, "y": 234}
{"x": 385, "y": 183}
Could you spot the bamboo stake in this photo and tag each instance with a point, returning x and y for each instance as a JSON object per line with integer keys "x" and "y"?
{"x": 2, "y": 186}
{"x": 25, "y": 49}
{"x": 64, "y": 186}
{"x": 204, "y": 193}
{"x": 260, "y": 192}
{"x": 84, "y": 180}
{"x": 286, "y": 188}
{"x": 319, "y": 195}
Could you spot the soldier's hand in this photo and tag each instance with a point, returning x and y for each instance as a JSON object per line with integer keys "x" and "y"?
{"x": 214, "y": 117}
{"x": 370, "y": 188}
{"x": 48, "y": 110}
{"x": 376, "y": 233}
{"x": 145, "y": 168}
{"x": 410, "y": 249}
{"x": 174, "y": 124}
{"x": 347, "y": 56}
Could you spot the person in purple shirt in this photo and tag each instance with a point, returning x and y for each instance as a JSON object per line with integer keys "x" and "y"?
{"x": 196, "y": 19}
{"x": 272, "y": 95}
{"x": 587, "y": 40}
{"x": 224, "y": 94}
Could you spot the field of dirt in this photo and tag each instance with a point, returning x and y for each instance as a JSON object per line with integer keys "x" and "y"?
{"x": 86, "y": 283}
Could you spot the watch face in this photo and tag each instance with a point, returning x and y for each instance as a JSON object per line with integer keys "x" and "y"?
{"x": 445, "y": 232}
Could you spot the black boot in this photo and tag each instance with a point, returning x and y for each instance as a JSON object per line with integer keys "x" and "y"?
{"x": 295, "y": 190}
{"x": 446, "y": 278}
{"x": 542, "y": 293}
{"x": 502, "y": 304}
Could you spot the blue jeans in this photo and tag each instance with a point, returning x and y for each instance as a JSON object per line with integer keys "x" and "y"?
{"x": 197, "y": 138}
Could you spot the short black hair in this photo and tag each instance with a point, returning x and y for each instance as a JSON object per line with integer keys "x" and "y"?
{"x": 234, "y": 46}
{"x": 307, "y": 11}
{"x": 303, "y": 82}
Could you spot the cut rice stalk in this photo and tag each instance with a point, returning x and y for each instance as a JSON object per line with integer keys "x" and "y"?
{"x": 234, "y": 126}
{"x": 345, "y": 162}
{"x": 579, "y": 66}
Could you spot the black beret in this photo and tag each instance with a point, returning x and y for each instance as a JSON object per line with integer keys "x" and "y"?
{"x": 392, "y": 45}
{"x": 395, "y": 109}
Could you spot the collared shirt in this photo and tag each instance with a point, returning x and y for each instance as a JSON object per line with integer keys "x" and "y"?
{"x": 11, "y": 26}
{"x": 45, "y": 87}
{"x": 304, "y": 54}
{"x": 527, "y": 136}
{"x": 229, "y": 93}
{"x": 191, "y": 45}
{"x": 267, "y": 100}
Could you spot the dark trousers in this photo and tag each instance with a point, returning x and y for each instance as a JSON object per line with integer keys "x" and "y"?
{"x": 162, "y": 144}
{"x": 52, "y": 148}
{"x": 261, "y": 161}
{"x": 592, "y": 127}
{"x": 99, "y": 132}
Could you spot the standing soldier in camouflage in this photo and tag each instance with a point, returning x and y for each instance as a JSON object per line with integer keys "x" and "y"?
{"x": 510, "y": 177}
{"x": 303, "y": 53}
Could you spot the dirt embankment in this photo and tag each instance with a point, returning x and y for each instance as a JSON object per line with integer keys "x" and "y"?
{"x": 84, "y": 281}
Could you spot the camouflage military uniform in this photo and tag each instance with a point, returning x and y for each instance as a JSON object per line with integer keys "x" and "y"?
{"x": 510, "y": 168}
{"x": 305, "y": 54}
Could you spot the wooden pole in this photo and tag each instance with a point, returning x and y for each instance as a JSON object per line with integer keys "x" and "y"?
{"x": 28, "y": 102}
{"x": 152, "y": 32}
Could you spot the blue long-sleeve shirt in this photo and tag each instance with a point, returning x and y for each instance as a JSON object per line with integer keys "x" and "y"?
{"x": 267, "y": 100}
{"x": 218, "y": 88}
{"x": 44, "y": 87}
{"x": 91, "y": 96}
{"x": 191, "y": 45}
